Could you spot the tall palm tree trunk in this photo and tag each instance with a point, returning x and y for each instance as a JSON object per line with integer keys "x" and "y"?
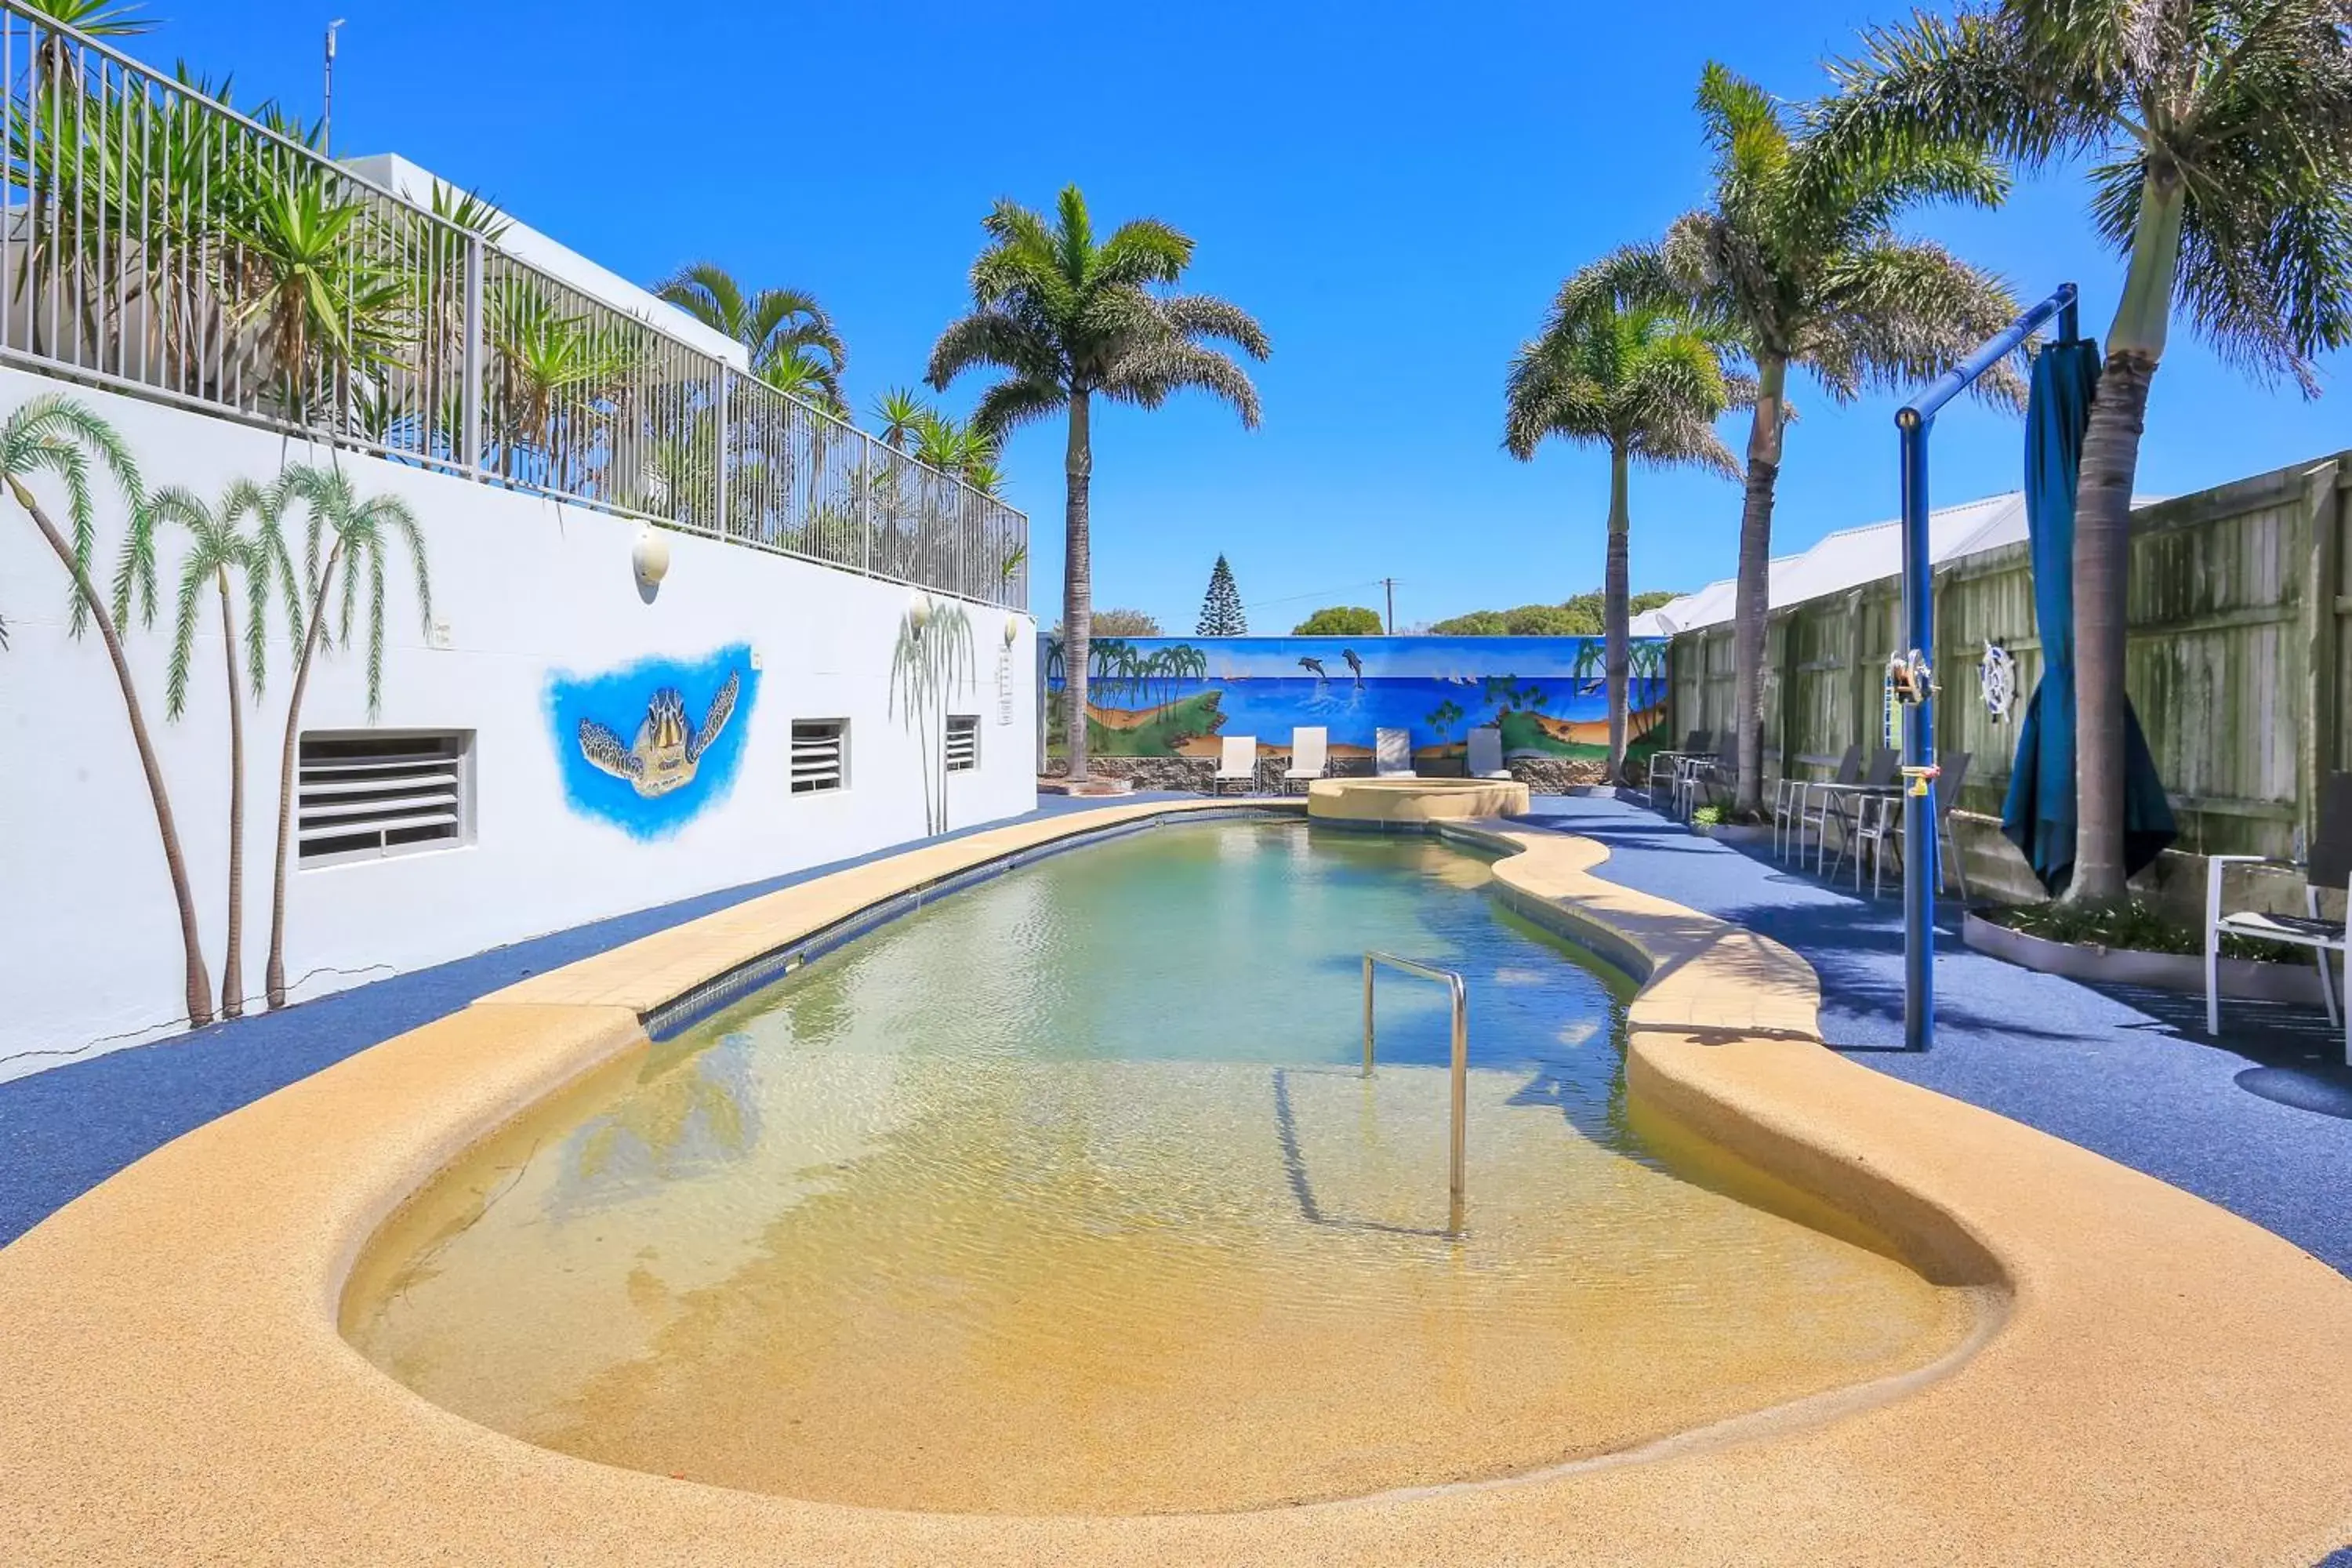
{"x": 1616, "y": 594}
{"x": 1752, "y": 602}
{"x": 2103, "y": 497}
{"x": 2102, "y": 572}
{"x": 232, "y": 989}
{"x": 274, "y": 977}
{"x": 199, "y": 982}
{"x": 1077, "y": 589}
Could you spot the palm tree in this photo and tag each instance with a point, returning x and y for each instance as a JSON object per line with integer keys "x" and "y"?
{"x": 1799, "y": 261}
{"x": 358, "y": 535}
{"x": 901, "y": 414}
{"x": 1646, "y": 384}
{"x": 777, "y": 327}
{"x": 2221, "y": 146}
{"x": 55, "y": 435}
{"x": 1069, "y": 320}
{"x": 218, "y": 547}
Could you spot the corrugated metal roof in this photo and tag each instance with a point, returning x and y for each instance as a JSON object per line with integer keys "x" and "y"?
{"x": 1852, "y": 556}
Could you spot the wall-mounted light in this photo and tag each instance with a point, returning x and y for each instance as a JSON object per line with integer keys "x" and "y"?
{"x": 649, "y": 559}
{"x": 1011, "y": 631}
{"x": 918, "y": 614}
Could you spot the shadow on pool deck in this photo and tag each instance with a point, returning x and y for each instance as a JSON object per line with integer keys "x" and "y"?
{"x": 2259, "y": 1122}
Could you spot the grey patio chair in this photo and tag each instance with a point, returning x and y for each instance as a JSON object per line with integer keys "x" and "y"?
{"x": 1669, "y": 764}
{"x": 1696, "y": 776}
{"x": 1880, "y": 829}
{"x": 1789, "y": 803}
{"x": 2330, "y": 865}
{"x": 1842, "y": 804}
{"x": 1392, "y": 753}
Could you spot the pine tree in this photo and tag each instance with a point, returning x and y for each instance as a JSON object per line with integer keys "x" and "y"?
{"x": 1220, "y": 611}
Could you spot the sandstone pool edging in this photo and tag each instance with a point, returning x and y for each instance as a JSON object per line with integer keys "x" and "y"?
{"x": 2172, "y": 1384}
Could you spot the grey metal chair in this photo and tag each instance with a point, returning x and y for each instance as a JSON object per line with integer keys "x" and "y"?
{"x": 1879, "y": 831}
{"x": 1842, "y": 804}
{"x": 1789, "y": 815}
{"x": 2330, "y": 865}
{"x": 1669, "y": 764}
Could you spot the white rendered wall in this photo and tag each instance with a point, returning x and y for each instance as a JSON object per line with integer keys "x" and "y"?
{"x": 522, "y": 588}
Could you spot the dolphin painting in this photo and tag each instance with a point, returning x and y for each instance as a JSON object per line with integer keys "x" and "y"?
{"x": 1354, "y": 665}
{"x": 1304, "y": 662}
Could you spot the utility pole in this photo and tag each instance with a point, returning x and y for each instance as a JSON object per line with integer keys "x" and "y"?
{"x": 327, "y": 107}
{"x": 1390, "y": 583}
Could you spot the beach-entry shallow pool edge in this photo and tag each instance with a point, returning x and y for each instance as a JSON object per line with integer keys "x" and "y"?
{"x": 1079, "y": 1173}
{"x": 2173, "y": 1380}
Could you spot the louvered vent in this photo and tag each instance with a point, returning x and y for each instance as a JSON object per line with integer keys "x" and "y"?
{"x": 371, "y": 793}
{"x": 820, "y": 754}
{"x": 963, "y": 742}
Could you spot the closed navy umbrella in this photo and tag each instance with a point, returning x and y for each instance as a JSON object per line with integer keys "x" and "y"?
{"x": 2039, "y": 814}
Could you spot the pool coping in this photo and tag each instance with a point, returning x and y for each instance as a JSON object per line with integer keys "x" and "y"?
{"x": 2169, "y": 1382}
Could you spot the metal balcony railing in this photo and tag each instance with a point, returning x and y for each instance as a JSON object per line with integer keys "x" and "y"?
{"x": 158, "y": 242}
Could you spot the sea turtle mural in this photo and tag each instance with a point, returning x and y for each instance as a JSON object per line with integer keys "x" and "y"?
{"x": 667, "y": 748}
{"x": 651, "y": 746}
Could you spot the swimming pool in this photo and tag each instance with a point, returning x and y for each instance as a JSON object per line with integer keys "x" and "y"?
{"x": 1065, "y": 1194}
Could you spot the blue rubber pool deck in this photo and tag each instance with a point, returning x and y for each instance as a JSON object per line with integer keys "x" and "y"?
{"x": 67, "y": 1128}
{"x": 2126, "y": 1072}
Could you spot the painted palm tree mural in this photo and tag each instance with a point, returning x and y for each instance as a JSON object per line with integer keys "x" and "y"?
{"x": 236, "y": 542}
{"x": 933, "y": 660}
{"x": 1155, "y": 697}
{"x": 55, "y": 439}
{"x": 359, "y": 535}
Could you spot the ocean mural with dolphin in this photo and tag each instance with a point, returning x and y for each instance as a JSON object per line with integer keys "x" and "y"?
{"x": 651, "y": 746}
{"x": 1176, "y": 696}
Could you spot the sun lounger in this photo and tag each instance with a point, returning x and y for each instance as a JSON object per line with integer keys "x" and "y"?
{"x": 1236, "y": 763}
{"x": 1486, "y": 753}
{"x": 1308, "y": 749}
{"x": 1392, "y": 753}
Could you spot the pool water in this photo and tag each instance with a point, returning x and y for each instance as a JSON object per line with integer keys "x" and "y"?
{"x": 1065, "y": 1194}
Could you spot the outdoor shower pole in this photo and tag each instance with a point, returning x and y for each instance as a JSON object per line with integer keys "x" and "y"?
{"x": 1916, "y": 420}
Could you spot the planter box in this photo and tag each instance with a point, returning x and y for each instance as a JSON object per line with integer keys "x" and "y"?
{"x": 2185, "y": 972}
{"x": 1734, "y": 832}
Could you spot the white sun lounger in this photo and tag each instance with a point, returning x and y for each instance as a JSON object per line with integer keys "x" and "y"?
{"x": 1308, "y": 749}
{"x": 1392, "y": 753}
{"x": 1486, "y": 753}
{"x": 1236, "y": 763}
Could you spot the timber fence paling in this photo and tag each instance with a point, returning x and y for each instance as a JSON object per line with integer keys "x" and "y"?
{"x": 2238, "y": 666}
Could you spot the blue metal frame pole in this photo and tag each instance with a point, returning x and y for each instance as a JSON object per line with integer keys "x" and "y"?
{"x": 1915, "y": 419}
{"x": 1919, "y": 846}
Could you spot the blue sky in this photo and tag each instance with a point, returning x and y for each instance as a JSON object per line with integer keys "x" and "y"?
{"x": 1393, "y": 192}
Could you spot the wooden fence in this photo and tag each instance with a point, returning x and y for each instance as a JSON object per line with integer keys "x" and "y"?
{"x": 2237, "y": 663}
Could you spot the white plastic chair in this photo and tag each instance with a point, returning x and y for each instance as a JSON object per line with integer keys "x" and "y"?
{"x": 2330, "y": 867}
{"x": 1236, "y": 763}
{"x": 1392, "y": 753}
{"x": 1486, "y": 753}
{"x": 1309, "y": 749}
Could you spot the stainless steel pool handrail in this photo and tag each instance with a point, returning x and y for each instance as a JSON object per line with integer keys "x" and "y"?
{"x": 1453, "y": 982}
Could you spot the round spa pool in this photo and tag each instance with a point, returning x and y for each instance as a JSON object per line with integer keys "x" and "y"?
{"x": 1064, "y": 1195}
